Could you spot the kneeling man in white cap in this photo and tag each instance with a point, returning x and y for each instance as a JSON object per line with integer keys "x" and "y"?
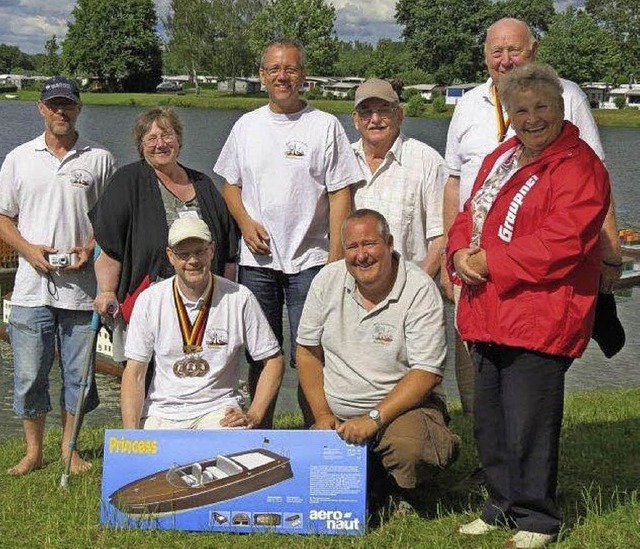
{"x": 194, "y": 326}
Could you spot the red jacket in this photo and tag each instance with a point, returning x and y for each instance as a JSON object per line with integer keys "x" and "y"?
{"x": 541, "y": 239}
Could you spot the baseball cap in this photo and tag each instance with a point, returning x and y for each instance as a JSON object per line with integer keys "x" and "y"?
{"x": 188, "y": 227}
{"x": 59, "y": 86}
{"x": 374, "y": 87}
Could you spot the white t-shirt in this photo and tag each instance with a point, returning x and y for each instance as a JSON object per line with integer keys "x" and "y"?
{"x": 286, "y": 164}
{"x": 473, "y": 131}
{"x": 51, "y": 198}
{"x": 235, "y": 321}
{"x": 366, "y": 353}
{"x": 407, "y": 189}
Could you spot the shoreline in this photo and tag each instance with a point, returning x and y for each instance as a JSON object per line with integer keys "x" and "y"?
{"x": 209, "y": 99}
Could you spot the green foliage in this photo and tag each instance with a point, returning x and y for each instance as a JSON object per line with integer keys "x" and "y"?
{"x": 314, "y": 93}
{"x": 579, "y": 49}
{"x": 309, "y": 21}
{"x": 620, "y": 101}
{"x": 355, "y": 59}
{"x": 11, "y": 58}
{"x": 538, "y": 14}
{"x": 116, "y": 41}
{"x": 622, "y": 19}
{"x": 415, "y": 105}
{"x": 51, "y": 60}
{"x": 439, "y": 104}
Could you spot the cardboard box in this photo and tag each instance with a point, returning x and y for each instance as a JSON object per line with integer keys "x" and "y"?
{"x": 289, "y": 482}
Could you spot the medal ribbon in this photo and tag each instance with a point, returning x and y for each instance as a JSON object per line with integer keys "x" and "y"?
{"x": 192, "y": 336}
{"x": 503, "y": 125}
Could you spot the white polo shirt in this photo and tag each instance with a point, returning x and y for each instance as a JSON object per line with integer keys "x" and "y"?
{"x": 286, "y": 165}
{"x": 51, "y": 198}
{"x": 473, "y": 131}
{"x": 407, "y": 189}
{"x": 366, "y": 353}
{"x": 235, "y": 321}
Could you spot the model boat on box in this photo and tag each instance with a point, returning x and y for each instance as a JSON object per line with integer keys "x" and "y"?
{"x": 204, "y": 482}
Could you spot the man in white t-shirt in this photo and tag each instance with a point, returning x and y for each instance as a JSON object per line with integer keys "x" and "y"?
{"x": 479, "y": 124}
{"x": 404, "y": 177}
{"x": 371, "y": 351}
{"x": 193, "y": 326}
{"x": 49, "y": 184}
{"x": 288, "y": 168}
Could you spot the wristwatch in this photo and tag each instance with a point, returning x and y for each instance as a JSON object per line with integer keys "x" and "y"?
{"x": 375, "y": 416}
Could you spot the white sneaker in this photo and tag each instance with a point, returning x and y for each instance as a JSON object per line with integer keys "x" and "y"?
{"x": 530, "y": 540}
{"x": 477, "y": 528}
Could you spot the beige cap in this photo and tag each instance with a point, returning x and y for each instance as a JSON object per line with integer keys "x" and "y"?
{"x": 374, "y": 87}
{"x": 188, "y": 227}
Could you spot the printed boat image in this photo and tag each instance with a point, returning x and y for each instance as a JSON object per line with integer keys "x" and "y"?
{"x": 183, "y": 487}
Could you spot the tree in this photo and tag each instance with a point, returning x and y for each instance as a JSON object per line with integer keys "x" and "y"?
{"x": 116, "y": 41}
{"x": 445, "y": 37}
{"x": 51, "y": 59}
{"x": 578, "y": 49}
{"x": 622, "y": 19}
{"x": 11, "y": 58}
{"x": 309, "y": 21}
{"x": 210, "y": 36}
{"x": 538, "y": 15}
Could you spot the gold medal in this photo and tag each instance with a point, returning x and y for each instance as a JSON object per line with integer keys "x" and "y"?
{"x": 192, "y": 335}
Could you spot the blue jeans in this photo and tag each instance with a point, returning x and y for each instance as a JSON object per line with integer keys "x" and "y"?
{"x": 272, "y": 290}
{"x": 35, "y": 333}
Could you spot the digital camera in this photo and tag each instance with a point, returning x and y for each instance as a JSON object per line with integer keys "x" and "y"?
{"x": 61, "y": 260}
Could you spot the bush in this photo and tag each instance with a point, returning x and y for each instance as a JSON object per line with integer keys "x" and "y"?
{"x": 439, "y": 104}
{"x": 620, "y": 101}
{"x": 408, "y": 93}
{"x": 415, "y": 106}
{"x": 314, "y": 93}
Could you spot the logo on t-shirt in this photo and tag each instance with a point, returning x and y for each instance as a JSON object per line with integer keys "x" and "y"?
{"x": 216, "y": 337}
{"x": 80, "y": 178}
{"x": 383, "y": 334}
{"x": 295, "y": 149}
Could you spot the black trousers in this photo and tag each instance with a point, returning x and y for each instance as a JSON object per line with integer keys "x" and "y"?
{"x": 518, "y": 407}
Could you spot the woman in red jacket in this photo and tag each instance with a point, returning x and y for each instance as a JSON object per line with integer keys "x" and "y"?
{"x": 526, "y": 250}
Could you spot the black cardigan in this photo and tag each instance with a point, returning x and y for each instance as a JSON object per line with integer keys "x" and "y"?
{"x": 130, "y": 224}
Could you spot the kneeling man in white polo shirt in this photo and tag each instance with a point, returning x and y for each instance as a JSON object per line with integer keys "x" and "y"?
{"x": 371, "y": 351}
{"x": 194, "y": 326}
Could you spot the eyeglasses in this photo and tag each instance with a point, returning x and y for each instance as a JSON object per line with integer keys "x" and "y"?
{"x": 60, "y": 104}
{"x": 290, "y": 70}
{"x": 152, "y": 140}
{"x": 382, "y": 112}
{"x": 186, "y": 255}
{"x": 511, "y": 52}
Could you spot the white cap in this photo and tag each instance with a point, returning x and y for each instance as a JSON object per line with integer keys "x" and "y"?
{"x": 188, "y": 227}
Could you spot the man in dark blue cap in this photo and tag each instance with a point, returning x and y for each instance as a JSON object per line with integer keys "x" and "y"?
{"x": 47, "y": 186}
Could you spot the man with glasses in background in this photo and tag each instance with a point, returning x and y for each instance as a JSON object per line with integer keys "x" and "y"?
{"x": 288, "y": 168}
{"x": 404, "y": 177}
{"x": 47, "y": 186}
{"x": 193, "y": 325}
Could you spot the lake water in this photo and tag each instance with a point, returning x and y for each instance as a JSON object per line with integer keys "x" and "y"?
{"x": 205, "y": 133}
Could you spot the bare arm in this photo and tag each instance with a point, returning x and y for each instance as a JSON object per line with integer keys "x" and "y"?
{"x": 450, "y": 208}
{"x": 267, "y": 389}
{"x": 339, "y": 209}
{"x": 35, "y": 254}
{"x": 431, "y": 263}
{"x": 408, "y": 394}
{"x": 253, "y": 233}
{"x": 611, "y": 252}
{"x": 132, "y": 393}
{"x": 107, "y": 275}
{"x": 309, "y": 361}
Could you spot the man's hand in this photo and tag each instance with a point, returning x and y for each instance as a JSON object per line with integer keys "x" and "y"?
{"x": 326, "y": 422}
{"x": 609, "y": 275}
{"x": 235, "y": 417}
{"x": 105, "y": 303}
{"x": 256, "y": 237}
{"x": 357, "y": 430}
{"x": 36, "y": 255}
{"x": 445, "y": 283}
{"x": 464, "y": 264}
{"x": 83, "y": 255}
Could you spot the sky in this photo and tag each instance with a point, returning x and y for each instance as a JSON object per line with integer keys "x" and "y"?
{"x": 28, "y": 24}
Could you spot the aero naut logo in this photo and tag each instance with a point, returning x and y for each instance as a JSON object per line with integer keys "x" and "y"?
{"x": 336, "y": 520}
{"x": 505, "y": 232}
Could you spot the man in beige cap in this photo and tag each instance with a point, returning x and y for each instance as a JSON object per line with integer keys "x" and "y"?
{"x": 194, "y": 325}
{"x": 404, "y": 177}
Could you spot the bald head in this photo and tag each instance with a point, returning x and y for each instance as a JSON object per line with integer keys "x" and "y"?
{"x": 509, "y": 44}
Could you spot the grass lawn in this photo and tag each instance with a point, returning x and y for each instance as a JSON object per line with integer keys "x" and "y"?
{"x": 211, "y": 99}
{"x": 598, "y": 491}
